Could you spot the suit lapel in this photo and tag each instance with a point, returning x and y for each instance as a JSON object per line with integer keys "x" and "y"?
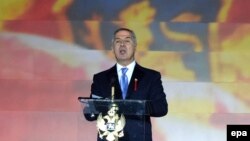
{"x": 114, "y": 81}
{"x": 135, "y": 80}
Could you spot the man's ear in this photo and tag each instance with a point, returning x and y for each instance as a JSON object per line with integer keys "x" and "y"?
{"x": 112, "y": 45}
{"x": 112, "y": 48}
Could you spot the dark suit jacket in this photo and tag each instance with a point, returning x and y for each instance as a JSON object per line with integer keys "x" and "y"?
{"x": 149, "y": 87}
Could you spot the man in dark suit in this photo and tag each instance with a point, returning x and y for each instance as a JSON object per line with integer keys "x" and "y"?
{"x": 137, "y": 83}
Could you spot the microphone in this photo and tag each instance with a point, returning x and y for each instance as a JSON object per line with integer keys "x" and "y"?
{"x": 113, "y": 80}
{"x": 112, "y": 84}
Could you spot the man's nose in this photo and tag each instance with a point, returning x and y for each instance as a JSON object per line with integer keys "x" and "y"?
{"x": 122, "y": 43}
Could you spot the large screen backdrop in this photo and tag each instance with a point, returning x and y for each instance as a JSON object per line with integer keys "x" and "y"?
{"x": 50, "y": 49}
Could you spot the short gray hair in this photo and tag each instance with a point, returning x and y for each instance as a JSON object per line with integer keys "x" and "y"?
{"x": 132, "y": 33}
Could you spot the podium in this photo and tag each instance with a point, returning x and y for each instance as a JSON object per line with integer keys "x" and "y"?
{"x": 133, "y": 118}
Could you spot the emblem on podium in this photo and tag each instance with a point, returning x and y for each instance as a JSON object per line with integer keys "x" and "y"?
{"x": 110, "y": 126}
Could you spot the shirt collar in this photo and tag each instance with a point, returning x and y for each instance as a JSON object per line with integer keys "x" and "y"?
{"x": 131, "y": 66}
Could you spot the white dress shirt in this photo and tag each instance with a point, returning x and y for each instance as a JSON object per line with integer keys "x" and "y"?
{"x": 129, "y": 73}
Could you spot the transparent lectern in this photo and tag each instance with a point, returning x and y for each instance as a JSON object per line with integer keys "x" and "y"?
{"x": 118, "y": 119}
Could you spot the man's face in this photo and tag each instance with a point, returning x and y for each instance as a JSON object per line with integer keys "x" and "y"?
{"x": 124, "y": 47}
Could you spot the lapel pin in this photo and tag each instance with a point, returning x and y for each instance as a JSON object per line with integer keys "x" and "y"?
{"x": 136, "y": 84}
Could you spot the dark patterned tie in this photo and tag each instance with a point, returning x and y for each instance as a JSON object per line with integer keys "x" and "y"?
{"x": 124, "y": 82}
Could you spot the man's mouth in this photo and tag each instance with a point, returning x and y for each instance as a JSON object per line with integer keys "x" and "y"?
{"x": 122, "y": 51}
